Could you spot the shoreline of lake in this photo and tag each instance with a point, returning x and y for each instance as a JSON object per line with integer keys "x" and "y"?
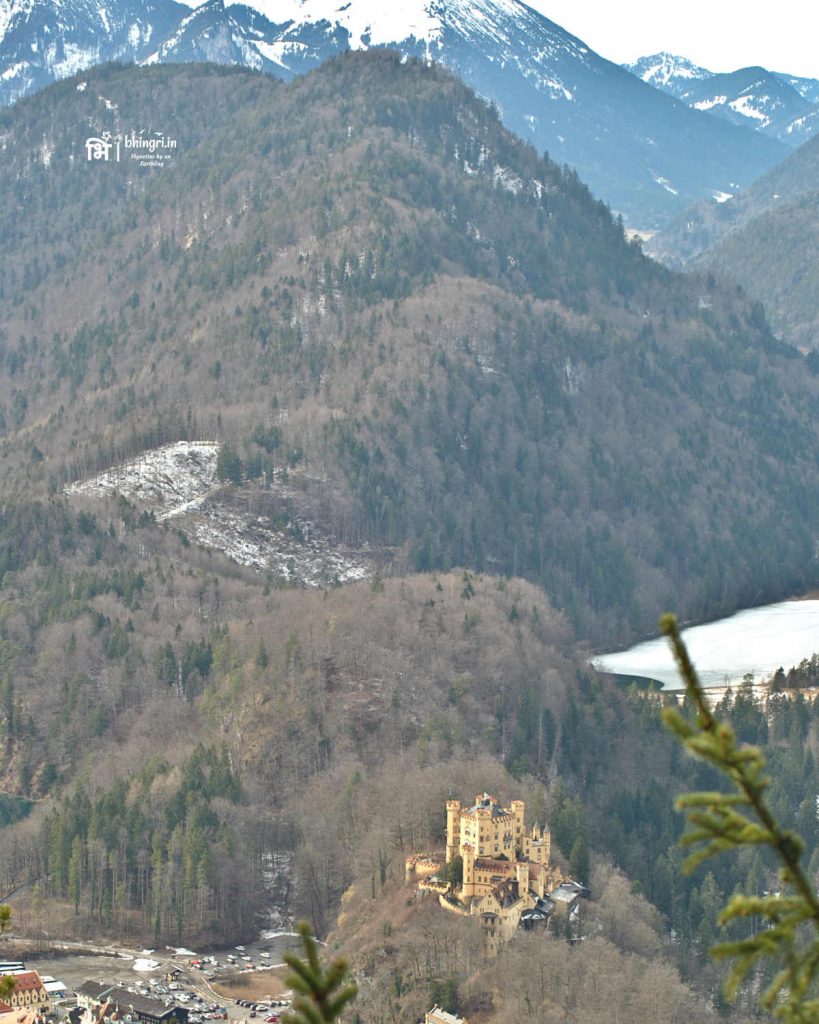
{"x": 754, "y": 640}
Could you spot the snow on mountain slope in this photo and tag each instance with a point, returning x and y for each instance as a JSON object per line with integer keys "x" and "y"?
{"x": 212, "y": 33}
{"x": 163, "y": 481}
{"x": 7, "y": 11}
{"x": 44, "y": 40}
{"x": 367, "y": 24}
{"x": 269, "y": 530}
{"x": 808, "y": 88}
{"x": 501, "y": 27}
{"x": 668, "y": 72}
{"x": 622, "y": 136}
{"x": 767, "y": 102}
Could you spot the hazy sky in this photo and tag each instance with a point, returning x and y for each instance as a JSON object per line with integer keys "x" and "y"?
{"x": 721, "y": 35}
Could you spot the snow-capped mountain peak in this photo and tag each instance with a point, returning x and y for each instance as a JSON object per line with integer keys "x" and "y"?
{"x": 43, "y": 40}
{"x": 664, "y": 70}
{"x": 769, "y": 103}
{"x": 367, "y": 24}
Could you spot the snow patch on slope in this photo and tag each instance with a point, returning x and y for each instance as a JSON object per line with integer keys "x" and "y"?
{"x": 745, "y": 105}
{"x": 506, "y": 179}
{"x": 75, "y": 58}
{"x": 712, "y": 101}
{"x": 296, "y": 553}
{"x": 265, "y": 527}
{"x": 162, "y": 481}
{"x": 661, "y": 68}
{"x": 12, "y": 71}
{"x": 278, "y": 52}
{"x": 666, "y": 184}
{"x": 7, "y": 11}
{"x": 369, "y": 24}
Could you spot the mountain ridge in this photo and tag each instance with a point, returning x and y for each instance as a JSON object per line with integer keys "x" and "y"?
{"x": 776, "y": 105}
{"x": 646, "y": 155}
{"x": 766, "y": 239}
{"x": 396, "y": 295}
{"x": 359, "y": 294}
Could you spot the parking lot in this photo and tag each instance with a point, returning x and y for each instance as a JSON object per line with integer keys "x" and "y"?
{"x": 250, "y": 986}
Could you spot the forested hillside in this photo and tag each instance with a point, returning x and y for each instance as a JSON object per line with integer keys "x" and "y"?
{"x": 364, "y": 279}
{"x": 766, "y": 238}
{"x": 198, "y": 741}
{"x": 363, "y": 290}
{"x": 171, "y": 715}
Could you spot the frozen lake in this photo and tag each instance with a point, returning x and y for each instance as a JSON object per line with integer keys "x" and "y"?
{"x": 758, "y": 640}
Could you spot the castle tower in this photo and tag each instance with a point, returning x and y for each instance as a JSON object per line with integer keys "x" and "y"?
{"x": 547, "y": 846}
{"x": 468, "y": 884}
{"x": 540, "y": 845}
{"x": 453, "y": 829}
{"x": 522, "y": 874}
{"x": 517, "y": 807}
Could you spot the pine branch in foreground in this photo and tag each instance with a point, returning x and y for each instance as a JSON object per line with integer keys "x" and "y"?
{"x": 321, "y": 995}
{"x": 730, "y": 821}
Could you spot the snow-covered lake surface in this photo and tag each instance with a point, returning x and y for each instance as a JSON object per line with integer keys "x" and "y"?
{"x": 758, "y": 640}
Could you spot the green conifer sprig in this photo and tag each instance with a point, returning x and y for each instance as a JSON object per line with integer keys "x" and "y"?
{"x": 321, "y": 996}
{"x": 729, "y": 821}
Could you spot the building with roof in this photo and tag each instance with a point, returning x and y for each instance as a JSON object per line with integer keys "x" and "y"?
{"x": 56, "y": 989}
{"x": 438, "y": 1016}
{"x": 89, "y": 994}
{"x": 105, "y": 1003}
{"x": 29, "y": 993}
{"x": 17, "y": 1015}
{"x": 495, "y": 848}
{"x": 505, "y": 870}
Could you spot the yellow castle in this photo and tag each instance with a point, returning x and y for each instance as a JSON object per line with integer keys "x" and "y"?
{"x": 507, "y": 871}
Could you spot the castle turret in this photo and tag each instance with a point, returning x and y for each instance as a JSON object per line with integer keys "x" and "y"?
{"x": 468, "y": 884}
{"x": 522, "y": 875}
{"x": 453, "y": 829}
{"x": 540, "y": 845}
{"x": 517, "y": 807}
